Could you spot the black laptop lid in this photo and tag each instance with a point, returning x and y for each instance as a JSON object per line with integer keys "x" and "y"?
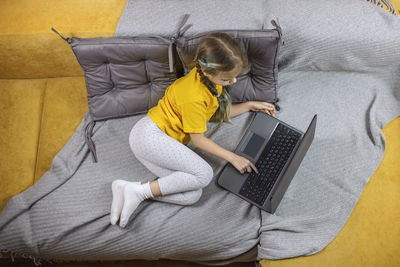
{"x": 293, "y": 165}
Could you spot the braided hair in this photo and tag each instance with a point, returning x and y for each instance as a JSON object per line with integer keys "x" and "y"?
{"x": 219, "y": 52}
{"x": 224, "y": 99}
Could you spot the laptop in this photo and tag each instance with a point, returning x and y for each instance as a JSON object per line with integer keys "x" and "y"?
{"x": 276, "y": 149}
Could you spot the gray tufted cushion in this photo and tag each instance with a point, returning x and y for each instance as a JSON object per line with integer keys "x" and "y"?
{"x": 262, "y": 47}
{"x": 124, "y": 76}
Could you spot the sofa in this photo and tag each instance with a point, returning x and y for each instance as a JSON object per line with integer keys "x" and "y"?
{"x": 43, "y": 99}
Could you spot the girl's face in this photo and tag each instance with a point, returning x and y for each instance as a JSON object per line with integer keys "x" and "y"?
{"x": 224, "y": 78}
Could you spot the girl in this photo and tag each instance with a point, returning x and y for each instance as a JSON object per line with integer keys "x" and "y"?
{"x": 159, "y": 139}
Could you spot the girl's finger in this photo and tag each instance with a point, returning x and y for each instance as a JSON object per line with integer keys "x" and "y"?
{"x": 253, "y": 167}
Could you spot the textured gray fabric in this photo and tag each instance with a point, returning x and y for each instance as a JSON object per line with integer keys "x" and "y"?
{"x": 65, "y": 215}
{"x": 124, "y": 76}
{"x": 341, "y": 61}
{"x": 262, "y": 47}
{"x": 161, "y": 17}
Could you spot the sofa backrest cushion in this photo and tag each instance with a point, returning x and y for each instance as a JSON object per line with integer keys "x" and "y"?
{"x": 262, "y": 47}
{"x": 124, "y": 75}
{"x": 129, "y": 75}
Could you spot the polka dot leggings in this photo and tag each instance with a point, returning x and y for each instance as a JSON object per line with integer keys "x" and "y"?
{"x": 182, "y": 173}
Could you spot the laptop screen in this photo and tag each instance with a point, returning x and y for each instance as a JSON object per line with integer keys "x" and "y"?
{"x": 253, "y": 146}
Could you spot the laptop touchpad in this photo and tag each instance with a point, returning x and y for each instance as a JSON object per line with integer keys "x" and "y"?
{"x": 253, "y": 146}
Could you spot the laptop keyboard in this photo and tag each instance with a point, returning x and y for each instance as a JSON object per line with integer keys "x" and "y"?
{"x": 270, "y": 164}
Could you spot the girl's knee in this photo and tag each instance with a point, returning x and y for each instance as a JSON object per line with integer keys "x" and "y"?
{"x": 193, "y": 197}
{"x": 132, "y": 140}
{"x": 207, "y": 175}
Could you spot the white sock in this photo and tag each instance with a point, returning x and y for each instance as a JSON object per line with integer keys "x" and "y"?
{"x": 134, "y": 194}
{"x": 117, "y": 188}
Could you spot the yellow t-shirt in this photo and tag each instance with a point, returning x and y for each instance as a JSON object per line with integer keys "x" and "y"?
{"x": 186, "y": 107}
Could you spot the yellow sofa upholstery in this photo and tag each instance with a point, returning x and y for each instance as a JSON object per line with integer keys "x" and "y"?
{"x": 43, "y": 100}
{"x": 42, "y": 89}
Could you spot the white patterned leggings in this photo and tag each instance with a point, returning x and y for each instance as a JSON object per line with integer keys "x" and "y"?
{"x": 182, "y": 173}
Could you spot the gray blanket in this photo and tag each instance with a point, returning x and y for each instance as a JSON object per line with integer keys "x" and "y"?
{"x": 340, "y": 60}
{"x": 65, "y": 215}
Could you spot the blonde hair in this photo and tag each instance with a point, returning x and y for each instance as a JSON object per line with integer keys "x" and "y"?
{"x": 219, "y": 52}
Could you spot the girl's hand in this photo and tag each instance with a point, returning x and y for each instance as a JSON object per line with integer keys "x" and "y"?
{"x": 242, "y": 164}
{"x": 265, "y": 107}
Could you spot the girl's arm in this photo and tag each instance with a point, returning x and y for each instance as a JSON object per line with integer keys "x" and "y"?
{"x": 239, "y": 109}
{"x": 240, "y": 163}
{"x": 254, "y": 106}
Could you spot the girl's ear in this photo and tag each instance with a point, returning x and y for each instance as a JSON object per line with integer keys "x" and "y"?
{"x": 203, "y": 69}
{"x": 208, "y": 75}
{"x": 210, "y": 72}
